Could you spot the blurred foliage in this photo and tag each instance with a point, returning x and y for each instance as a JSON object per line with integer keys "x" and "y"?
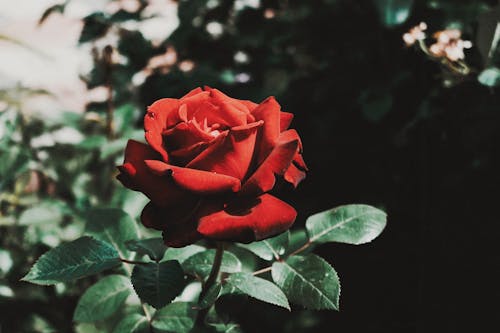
{"x": 339, "y": 65}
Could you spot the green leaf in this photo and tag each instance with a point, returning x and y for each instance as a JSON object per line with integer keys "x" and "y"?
{"x": 210, "y": 297}
{"x": 201, "y": 263}
{"x": 351, "y": 224}
{"x": 43, "y": 214}
{"x": 134, "y": 323}
{"x": 158, "y": 283}
{"x": 123, "y": 117}
{"x": 114, "y": 147}
{"x": 393, "y": 12}
{"x": 299, "y": 238}
{"x": 88, "y": 328}
{"x": 131, "y": 202}
{"x": 112, "y": 225}
{"x": 181, "y": 254}
{"x": 102, "y": 299}
{"x": 221, "y": 326}
{"x": 92, "y": 142}
{"x": 258, "y": 288}
{"x": 94, "y": 26}
{"x": 489, "y": 77}
{"x": 271, "y": 248}
{"x": 178, "y": 317}
{"x": 309, "y": 281}
{"x": 488, "y": 34}
{"x": 153, "y": 247}
{"x": 79, "y": 258}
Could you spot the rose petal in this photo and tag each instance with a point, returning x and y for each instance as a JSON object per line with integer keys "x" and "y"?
{"x": 137, "y": 176}
{"x": 248, "y": 221}
{"x": 294, "y": 175}
{"x": 220, "y": 98}
{"x": 289, "y": 135}
{"x": 231, "y": 153}
{"x": 280, "y": 159}
{"x": 285, "y": 120}
{"x": 180, "y": 236}
{"x": 193, "y": 103}
{"x": 249, "y": 104}
{"x": 269, "y": 112}
{"x": 177, "y": 234}
{"x": 223, "y": 114}
{"x": 197, "y": 181}
{"x": 193, "y": 92}
{"x": 183, "y": 156}
{"x": 155, "y": 122}
{"x": 185, "y": 135}
{"x": 299, "y": 162}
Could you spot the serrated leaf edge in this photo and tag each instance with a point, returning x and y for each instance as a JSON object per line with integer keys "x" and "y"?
{"x": 334, "y": 306}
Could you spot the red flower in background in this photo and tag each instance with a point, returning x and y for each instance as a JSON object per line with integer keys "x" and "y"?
{"x": 210, "y": 162}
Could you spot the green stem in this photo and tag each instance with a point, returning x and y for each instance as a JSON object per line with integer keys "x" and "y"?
{"x": 212, "y": 278}
{"x": 300, "y": 249}
{"x": 214, "y": 272}
{"x": 263, "y": 270}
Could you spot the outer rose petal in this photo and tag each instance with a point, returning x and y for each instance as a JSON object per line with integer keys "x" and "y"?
{"x": 174, "y": 235}
{"x": 285, "y": 120}
{"x": 267, "y": 217}
{"x": 231, "y": 154}
{"x": 137, "y": 176}
{"x": 193, "y": 92}
{"x": 297, "y": 170}
{"x": 294, "y": 175}
{"x": 197, "y": 181}
{"x": 155, "y": 122}
{"x": 278, "y": 162}
{"x": 269, "y": 112}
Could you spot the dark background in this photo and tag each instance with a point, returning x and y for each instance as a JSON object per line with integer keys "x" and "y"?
{"x": 378, "y": 127}
{"x": 381, "y": 124}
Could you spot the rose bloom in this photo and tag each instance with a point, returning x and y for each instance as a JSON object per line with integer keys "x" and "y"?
{"x": 209, "y": 164}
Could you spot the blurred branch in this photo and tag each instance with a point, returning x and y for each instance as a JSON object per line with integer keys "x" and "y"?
{"x": 108, "y": 70}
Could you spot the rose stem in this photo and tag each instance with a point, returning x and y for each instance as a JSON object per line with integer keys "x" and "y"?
{"x": 215, "y": 269}
{"x": 214, "y": 272}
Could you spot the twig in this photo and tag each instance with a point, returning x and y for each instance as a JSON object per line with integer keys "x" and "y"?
{"x": 133, "y": 262}
{"x": 263, "y": 270}
{"x": 300, "y": 249}
{"x": 107, "y": 54}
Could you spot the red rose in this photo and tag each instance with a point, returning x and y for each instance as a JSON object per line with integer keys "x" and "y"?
{"x": 210, "y": 162}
